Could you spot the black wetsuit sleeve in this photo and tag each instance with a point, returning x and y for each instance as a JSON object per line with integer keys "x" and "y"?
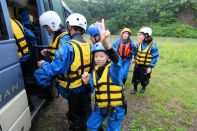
{"x": 113, "y": 55}
{"x": 87, "y": 88}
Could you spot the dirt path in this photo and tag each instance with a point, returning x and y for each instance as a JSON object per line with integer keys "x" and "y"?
{"x": 52, "y": 117}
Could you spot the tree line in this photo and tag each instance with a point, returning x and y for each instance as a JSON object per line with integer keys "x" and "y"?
{"x": 161, "y": 15}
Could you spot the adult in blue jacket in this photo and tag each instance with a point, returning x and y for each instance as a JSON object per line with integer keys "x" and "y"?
{"x": 146, "y": 55}
{"x": 125, "y": 46}
{"x": 70, "y": 61}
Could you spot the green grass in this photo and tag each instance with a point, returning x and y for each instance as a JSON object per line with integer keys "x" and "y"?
{"x": 170, "y": 101}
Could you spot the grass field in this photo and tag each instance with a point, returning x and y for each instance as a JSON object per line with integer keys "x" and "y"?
{"x": 170, "y": 101}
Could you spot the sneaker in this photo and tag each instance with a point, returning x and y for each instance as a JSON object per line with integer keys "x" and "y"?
{"x": 142, "y": 90}
{"x": 133, "y": 92}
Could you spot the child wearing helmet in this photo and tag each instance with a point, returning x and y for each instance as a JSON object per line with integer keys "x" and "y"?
{"x": 106, "y": 80}
{"x": 51, "y": 21}
{"x": 72, "y": 59}
{"x": 125, "y": 46}
{"x": 146, "y": 55}
{"x": 94, "y": 33}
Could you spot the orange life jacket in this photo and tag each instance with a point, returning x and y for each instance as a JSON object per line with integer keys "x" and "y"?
{"x": 124, "y": 50}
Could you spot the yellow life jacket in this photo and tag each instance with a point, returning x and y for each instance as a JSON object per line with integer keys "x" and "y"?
{"x": 106, "y": 92}
{"x": 144, "y": 57}
{"x": 55, "y": 44}
{"x": 81, "y": 63}
{"x": 20, "y": 38}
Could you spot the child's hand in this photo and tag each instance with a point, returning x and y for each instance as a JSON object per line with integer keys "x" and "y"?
{"x": 104, "y": 35}
{"x": 132, "y": 61}
{"x": 39, "y": 63}
{"x": 85, "y": 77}
{"x": 149, "y": 70}
{"x": 135, "y": 44}
{"x": 44, "y": 52}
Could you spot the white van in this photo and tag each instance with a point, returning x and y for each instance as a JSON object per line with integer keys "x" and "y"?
{"x": 14, "y": 110}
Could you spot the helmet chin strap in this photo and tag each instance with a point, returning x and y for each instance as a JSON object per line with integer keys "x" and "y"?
{"x": 69, "y": 30}
{"x": 96, "y": 39}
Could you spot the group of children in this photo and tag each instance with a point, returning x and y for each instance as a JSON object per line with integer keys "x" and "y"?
{"x": 102, "y": 68}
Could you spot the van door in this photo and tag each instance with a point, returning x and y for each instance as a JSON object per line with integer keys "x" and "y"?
{"x": 14, "y": 110}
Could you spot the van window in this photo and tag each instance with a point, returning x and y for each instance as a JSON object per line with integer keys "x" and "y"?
{"x": 57, "y": 7}
{"x": 3, "y": 29}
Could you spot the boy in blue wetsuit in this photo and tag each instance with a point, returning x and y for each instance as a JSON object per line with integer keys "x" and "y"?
{"x": 70, "y": 61}
{"x": 106, "y": 80}
{"x": 125, "y": 46}
{"x": 146, "y": 55}
{"x": 52, "y": 22}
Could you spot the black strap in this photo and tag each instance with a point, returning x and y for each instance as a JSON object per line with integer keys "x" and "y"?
{"x": 79, "y": 68}
{"x": 106, "y": 100}
{"x": 68, "y": 78}
{"x": 144, "y": 57}
{"x": 19, "y": 46}
{"x": 108, "y": 90}
{"x": 15, "y": 12}
{"x": 97, "y": 78}
{"x": 123, "y": 50}
{"x": 81, "y": 56}
{"x": 113, "y": 92}
{"x": 103, "y": 83}
{"x": 82, "y": 68}
{"x": 147, "y": 52}
{"x": 51, "y": 47}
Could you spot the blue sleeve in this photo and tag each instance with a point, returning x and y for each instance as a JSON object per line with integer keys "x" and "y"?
{"x": 155, "y": 55}
{"x": 29, "y": 35}
{"x": 60, "y": 65}
{"x": 116, "y": 72}
{"x": 135, "y": 49}
{"x": 132, "y": 48}
{"x": 62, "y": 61}
{"x": 132, "y": 44}
{"x": 91, "y": 84}
{"x": 64, "y": 39}
{"x": 115, "y": 44}
{"x": 42, "y": 78}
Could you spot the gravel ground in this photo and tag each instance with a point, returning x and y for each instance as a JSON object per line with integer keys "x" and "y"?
{"x": 52, "y": 116}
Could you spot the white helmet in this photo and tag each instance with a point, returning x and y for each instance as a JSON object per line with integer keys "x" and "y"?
{"x": 52, "y": 19}
{"x": 147, "y": 30}
{"x": 77, "y": 19}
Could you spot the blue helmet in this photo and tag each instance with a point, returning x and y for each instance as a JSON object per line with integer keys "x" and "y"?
{"x": 24, "y": 17}
{"x": 93, "y": 30}
{"x": 97, "y": 47}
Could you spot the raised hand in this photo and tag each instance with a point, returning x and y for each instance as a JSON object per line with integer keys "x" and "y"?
{"x": 104, "y": 35}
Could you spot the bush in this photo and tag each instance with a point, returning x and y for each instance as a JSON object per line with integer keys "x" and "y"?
{"x": 174, "y": 30}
